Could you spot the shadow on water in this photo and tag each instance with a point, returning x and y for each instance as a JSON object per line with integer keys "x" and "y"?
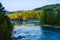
{"x": 50, "y": 28}
{"x": 50, "y": 33}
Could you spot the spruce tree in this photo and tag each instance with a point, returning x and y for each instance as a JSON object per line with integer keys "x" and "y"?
{"x": 5, "y": 25}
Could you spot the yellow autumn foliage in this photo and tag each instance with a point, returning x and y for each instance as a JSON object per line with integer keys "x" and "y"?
{"x": 25, "y": 15}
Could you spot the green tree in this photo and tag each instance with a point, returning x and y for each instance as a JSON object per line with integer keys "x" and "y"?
{"x": 57, "y": 19}
{"x": 5, "y": 25}
{"x": 50, "y": 16}
{"x": 47, "y": 16}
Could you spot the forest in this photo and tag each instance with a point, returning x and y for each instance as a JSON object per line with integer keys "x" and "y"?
{"x": 25, "y": 15}
{"x": 49, "y": 14}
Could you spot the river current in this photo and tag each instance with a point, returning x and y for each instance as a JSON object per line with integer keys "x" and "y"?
{"x": 34, "y": 32}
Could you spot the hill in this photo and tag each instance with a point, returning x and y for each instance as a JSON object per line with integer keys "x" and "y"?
{"x": 32, "y": 14}
{"x": 52, "y": 6}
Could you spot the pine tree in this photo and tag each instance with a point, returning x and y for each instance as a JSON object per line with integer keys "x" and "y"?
{"x": 5, "y": 25}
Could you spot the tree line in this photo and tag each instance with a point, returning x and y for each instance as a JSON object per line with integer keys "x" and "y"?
{"x": 50, "y": 17}
{"x": 25, "y": 15}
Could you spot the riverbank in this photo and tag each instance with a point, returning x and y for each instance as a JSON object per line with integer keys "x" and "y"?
{"x": 50, "y": 27}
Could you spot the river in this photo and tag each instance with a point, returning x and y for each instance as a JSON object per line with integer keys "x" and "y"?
{"x": 34, "y": 32}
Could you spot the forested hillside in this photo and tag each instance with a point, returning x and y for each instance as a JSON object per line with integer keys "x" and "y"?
{"x": 49, "y": 14}
{"x": 52, "y": 6}
{"x": 30, "y": 14}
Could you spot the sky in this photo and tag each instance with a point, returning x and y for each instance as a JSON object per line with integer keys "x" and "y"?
{"x": 15, "y": 5}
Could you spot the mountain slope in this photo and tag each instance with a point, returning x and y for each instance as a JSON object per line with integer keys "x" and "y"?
{"x": 52, "y": 6}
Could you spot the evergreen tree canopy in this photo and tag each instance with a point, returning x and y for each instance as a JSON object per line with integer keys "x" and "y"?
{"x": 5, "y": 25}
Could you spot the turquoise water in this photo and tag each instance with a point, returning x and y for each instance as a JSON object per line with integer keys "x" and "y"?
{"x": 34, "y": 32}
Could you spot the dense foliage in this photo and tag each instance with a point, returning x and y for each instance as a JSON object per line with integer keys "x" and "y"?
{"x": 5, "y": 25}
{"x": 25, "y": 15}
{"x": 50, "y": 16}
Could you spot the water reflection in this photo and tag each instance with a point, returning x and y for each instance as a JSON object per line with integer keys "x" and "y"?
{"x": 50, "y": 35}
{"x": 32, "y": 31}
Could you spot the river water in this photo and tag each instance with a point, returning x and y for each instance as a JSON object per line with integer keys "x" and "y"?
{"x": 34, "y": 32}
